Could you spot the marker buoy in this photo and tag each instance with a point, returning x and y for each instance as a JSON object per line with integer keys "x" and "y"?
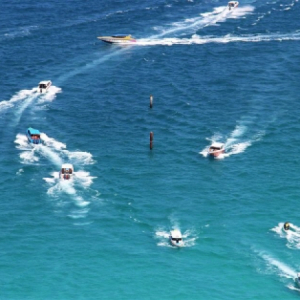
{"x": 151, "y": 140}
{"x": 151, "y": 101}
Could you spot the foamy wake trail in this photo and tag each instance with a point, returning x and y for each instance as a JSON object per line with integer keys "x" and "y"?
{"x": 292, "y": 236}
{"x": 200, "y": 40}
{"x": 50, "y": 95}
{"x": 85, "y": 158}
{"x": 22, "y": 95}
{"x": 189, "y": 238}
{"x": 28, "y": 154}
{"x": 191, "y": 25}
{"x": 278, "y": 267}
{"x": 52, "y": 143}
{"x": 66, "y": 187}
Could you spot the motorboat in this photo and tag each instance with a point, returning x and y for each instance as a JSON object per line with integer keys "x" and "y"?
{"x": 297, "y": 280}
{"x": 232, "y": 4}
{"x": 33, "y": 135}
{"x": 176, "y": 238}
{"x": 44, "y": 86}
{"x": 66, "y": 172}
{"x": 216, "y": 149}
{"x": 117, "y": 39}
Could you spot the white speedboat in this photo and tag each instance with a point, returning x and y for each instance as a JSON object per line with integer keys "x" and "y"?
{"x": 232, "y": 4}
{"x": 216, "y": 149}
{"x": 117, "y": 39}
{"x": 176, "y": 238}
{"x": 66, "y": 172}
{"x": 44, "y": 86}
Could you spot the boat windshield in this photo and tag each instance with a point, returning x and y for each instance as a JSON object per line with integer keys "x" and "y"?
{"x": 42, "y": 86}
{"x": 176, "y": 239}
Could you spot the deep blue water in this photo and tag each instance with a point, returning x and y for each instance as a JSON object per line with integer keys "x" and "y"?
{"x": 231, "y": 77}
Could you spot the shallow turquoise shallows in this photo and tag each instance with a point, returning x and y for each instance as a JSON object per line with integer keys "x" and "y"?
{"x": 215, "y": 76}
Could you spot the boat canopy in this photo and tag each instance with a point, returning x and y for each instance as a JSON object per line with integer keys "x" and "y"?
{"x": 216, "y": 146}
{"x": 176, "y": 235}
{"x": 44, "y": 84}
{"x": 33, "y": 131}
{"x": 120, "y": 35}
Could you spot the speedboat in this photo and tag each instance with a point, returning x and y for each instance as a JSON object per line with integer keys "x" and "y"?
{"x": 44, "y": 86}
{"x": 297, "y": 280}
{"x": 117, "y": 39}
{"x": 176, "y": 238}
{"x": 216, "y": 149}
{"x": 232, "y": 4}
{"x": 33, "y": 135}
{"x": 66, "y": 172}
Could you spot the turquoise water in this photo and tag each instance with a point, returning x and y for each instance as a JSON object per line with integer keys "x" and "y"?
{"x": 231, "y": 77}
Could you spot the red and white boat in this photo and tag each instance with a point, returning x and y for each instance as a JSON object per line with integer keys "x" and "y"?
{"x": 66, "y": 172}
{"x": 216, "y": 149}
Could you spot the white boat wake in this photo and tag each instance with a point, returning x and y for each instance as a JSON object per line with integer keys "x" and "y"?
{"x": 201, "y": 40}
{"x": 19, "y": 97}
{"x": 292, "y": 236}
{"x": 191, "y": 25}
{"x": 279, "y": 267}
{"x": 25, "y": 98}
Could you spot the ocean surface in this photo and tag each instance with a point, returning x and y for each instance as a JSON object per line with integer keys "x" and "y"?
{"x": 215, "y": 75}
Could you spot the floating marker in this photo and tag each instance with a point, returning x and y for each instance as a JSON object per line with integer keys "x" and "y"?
{"x": 151, "y": 140}
{"x": 151, "y": 101}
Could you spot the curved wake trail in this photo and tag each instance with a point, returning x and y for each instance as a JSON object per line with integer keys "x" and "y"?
{"x": 19, "y": 97}
{"x": 88, "y": 66}
{"x": 219, "y": 14}
{"x": 24, "y": 98}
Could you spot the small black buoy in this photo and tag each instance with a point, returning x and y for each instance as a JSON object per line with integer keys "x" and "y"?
{"x": 151, "y": 140}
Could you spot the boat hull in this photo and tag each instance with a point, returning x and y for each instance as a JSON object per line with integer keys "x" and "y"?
{"x": 66, "y": 177}
{"x": 175, "y": 244}
{"x": 216, "y": 153}
{"x": 114, "y": 40}
{"x": 32, "y": 141}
